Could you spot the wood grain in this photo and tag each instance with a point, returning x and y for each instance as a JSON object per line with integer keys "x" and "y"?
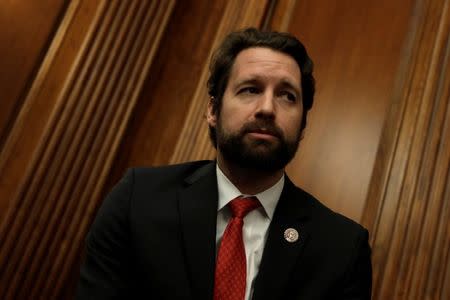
{"x": 357, "y": 48}
{"x": 25, "y": 29}
{"x": 193, "y": 142}
{"x": 283, "y": 13}
{"x": 113, "y": 84}
{"x": 167, "y": 92}
{"x": 407, "y": 206}
{"x": 44, "y": 231}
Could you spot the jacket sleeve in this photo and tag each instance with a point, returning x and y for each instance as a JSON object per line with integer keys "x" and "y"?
{"x": 107, "y": 268}
{"x": 358, "y": 282}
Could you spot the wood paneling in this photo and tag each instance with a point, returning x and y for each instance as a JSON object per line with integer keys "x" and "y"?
{"x": 169, "y": 124}
{"x": 357, "y": 48}
{"x": 167, "y": 92}
{"x": 408, "y": 208}
{"x": 281, "y": 16}
{"x": 39, "y": 102}
{"x": 25, "y": 31}
{"x": 112, "y": 84}
{"x": 193, "y": 142}
{"x": 48, "y": 217}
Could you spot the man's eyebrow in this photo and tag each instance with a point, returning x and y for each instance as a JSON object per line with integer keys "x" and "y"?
{"x": 251, "y": 80}
{"x": 256, "y": 80}
{"x": 288, "y": 84}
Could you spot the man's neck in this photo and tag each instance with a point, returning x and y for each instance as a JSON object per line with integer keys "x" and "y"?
{"x": 248, "y": 181}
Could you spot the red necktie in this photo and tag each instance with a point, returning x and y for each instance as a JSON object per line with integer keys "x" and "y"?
{"x": 231, "y": 267}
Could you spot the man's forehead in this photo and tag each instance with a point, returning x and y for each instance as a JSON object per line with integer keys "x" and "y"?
{"x": 263, "y": 63}
{"x": 264, "y": 54}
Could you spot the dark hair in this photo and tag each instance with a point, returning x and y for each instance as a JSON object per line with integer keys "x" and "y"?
{"x": 225, "y": 55}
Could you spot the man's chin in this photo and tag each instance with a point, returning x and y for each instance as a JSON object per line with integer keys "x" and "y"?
{"x": 261, "y": 163}
{"x": 262, "y": 145}
{"x": 259, "y": 154}
{"x": 260, "y": 158}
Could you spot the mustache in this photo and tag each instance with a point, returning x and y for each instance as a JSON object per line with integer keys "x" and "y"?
{"x": 263, "y": 126}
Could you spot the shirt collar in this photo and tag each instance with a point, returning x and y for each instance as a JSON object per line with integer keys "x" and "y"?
{"x": 228, "y": 191}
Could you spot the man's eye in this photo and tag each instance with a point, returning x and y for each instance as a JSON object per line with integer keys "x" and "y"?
{"x": 249, "y": 90}
{"x": 289, "y": 96}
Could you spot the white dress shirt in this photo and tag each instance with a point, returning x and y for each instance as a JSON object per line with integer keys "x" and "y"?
{"x": 256, "y": 222}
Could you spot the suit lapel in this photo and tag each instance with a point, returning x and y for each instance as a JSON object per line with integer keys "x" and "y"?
{"x": 280, "y": 256}
{"x": 198, "y": 217}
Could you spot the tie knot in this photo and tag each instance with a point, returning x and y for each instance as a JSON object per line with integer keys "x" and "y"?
{"x": 240, "y": 207}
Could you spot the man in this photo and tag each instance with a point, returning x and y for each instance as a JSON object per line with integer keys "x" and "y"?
{"x": 235, "y": 228}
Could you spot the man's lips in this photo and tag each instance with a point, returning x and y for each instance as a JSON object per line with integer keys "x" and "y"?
{"x": 263, "y": 134}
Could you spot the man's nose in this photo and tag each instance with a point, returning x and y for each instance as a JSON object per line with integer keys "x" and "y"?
{"x": 266, "y": 105}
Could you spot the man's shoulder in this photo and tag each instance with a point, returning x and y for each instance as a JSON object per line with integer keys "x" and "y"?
{"x": 143, "y": 183}
{"x": 186, "y": 169}
{"x": 335, "y": 217}
{"x": 169, "y": 175}
{"x": 326, "y": 217}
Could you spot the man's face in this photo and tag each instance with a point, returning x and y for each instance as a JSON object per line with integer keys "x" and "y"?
{"x": 258, "y": 126}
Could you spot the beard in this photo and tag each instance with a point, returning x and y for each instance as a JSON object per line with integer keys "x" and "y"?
{"x": 258, "y": 155}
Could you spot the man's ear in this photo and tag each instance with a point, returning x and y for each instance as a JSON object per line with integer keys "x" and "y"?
{"x": 211, "y": 117}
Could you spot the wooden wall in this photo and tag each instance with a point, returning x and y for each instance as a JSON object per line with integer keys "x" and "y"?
{"x": 90, "y": 88}
{"x": 357, "y": 48}
{"x": 22, "y": 46}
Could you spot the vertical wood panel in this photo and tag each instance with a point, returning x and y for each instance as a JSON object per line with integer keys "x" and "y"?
{"x": 283, "y": 13}
{"x": 193, "y": 142}
{"x": 172, "y": 107}
{"x": 173, "y": 78}
{"x": 45, "y": 229}
{"x": 25, "y": 31}
{"x": 407, "y": 208}
{"x": 357, "y": 48}
{"x": 40, "y": 102}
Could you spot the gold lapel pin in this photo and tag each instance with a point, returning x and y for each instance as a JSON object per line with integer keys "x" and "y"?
{"x": 291, "y": 235}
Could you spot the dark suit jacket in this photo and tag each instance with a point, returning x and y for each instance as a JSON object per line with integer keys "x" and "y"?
{"x": 154, "y": 237}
